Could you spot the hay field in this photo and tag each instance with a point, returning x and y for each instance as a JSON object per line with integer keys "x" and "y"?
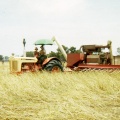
{"x": 88, "y": 95}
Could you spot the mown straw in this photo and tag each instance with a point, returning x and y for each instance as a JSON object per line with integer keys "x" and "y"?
{"x": 84, "y": 95}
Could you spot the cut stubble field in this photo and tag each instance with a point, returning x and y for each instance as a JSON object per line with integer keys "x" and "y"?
{"x": 83, "y": 95}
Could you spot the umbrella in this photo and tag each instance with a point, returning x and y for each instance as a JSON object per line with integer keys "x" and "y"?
{"x": 44, "y": 42}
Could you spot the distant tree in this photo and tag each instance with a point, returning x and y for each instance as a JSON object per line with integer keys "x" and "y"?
{"x": 65, "y": 48}
{"x": 6, "y": 58}
{"x": 1, "y": 57}
{"x": 53, "y": 54}
{"x": 78, "y": 51}
{"x": 29, "y": 54}
{"x": 72, "y": 49}
{"x": 59, "y": 54}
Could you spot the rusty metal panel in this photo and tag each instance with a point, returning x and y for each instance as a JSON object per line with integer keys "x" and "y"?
{"x": 73, "y": 58}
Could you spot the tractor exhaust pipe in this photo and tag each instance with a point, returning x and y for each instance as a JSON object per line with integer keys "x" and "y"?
{"x": 61, "y": 48}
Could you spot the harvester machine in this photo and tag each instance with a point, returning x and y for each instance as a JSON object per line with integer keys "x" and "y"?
{"x": 93, "y": 57}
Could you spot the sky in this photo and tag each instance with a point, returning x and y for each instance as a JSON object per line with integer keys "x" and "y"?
{"x": 72, "y": 22}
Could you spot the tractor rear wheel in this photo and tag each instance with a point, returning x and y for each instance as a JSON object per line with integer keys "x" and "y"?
{"x": 54, "y": 66}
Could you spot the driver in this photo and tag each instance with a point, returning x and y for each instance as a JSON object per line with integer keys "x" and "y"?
{"x": 36, "y": 53}
{"x": 42, "y": 55}
{"x": 42, "y": 51}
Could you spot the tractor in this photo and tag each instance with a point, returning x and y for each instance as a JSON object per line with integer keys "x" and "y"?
{"x": 23, "y": 64}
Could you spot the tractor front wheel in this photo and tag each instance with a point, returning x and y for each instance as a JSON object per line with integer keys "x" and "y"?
{"x": 54, "y": 66}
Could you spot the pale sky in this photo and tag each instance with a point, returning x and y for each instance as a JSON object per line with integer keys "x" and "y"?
{"x": 72, "y": 22}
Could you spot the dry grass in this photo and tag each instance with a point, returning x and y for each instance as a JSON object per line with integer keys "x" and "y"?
{"x": 88, "y": 95}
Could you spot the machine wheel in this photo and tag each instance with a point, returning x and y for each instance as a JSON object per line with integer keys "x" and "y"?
{"x": 54, "y": 66}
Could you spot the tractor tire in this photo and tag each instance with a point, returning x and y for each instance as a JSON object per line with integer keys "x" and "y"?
{"x": 54, "y": 66}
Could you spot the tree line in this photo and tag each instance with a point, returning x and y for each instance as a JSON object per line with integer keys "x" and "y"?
{"x": 58, "y": 53}
{"x": 2, "y": 58}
